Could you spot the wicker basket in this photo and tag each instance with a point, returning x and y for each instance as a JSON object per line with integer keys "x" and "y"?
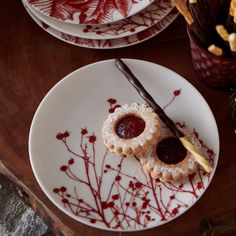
{"x": 216, "y": 72}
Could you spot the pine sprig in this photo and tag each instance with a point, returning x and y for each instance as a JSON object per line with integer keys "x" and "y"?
{"x": 232, "y": 103}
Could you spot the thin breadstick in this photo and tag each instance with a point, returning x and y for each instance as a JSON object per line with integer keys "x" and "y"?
{"x": 220, "y": 29}
{"x": 234, "y": 15}
{"x": 183, "y": 9}
{"x": 215, "y": 50}
{"x": 232, "y": 42}
{"x": 232, "y": 7}
{"x": 199, "y": 158}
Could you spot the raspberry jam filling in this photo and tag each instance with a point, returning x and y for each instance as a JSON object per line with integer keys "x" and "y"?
{"x": 171, "y": 151}
{"x": 130, "y": 126}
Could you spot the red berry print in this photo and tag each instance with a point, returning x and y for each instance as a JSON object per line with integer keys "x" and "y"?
{"x": 181, "y": 185}
{"x": 177, "y": 92}
{"x": 71, "y": 161}
{"x": 93, "y": 221}
{"x": 56, "y": 190}
{"x": 59, "y": 136}
{"x": 92, "y": 138}
{"x": 116, "y": 213}
{"x": 175, "y": 211}
{"x": 112, "y": 104}
{"x": 66, "y": 134}
{"x": 64, "y": 200}
{"x": 131, "y": 184}
{"x": 112, "y": 101}
{"x": 138, "y": 185}
{"x": 63, "y": 189}
{"x": 63, "y": 168}
{"x": 118, "y": 178}
{"x": 199, "y": 185}
{"x": 111, "y": 110}
{"x": 84, "y": 131}
{"x": 104, "y": 205}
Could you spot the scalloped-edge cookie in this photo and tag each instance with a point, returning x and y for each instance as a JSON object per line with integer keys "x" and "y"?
{"x": 152, "y": 164}
{"x": 131, "y": 130}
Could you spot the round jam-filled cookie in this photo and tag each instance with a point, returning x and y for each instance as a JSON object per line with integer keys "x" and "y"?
{"x": 130, "y": 130}
{"x": 169, "y": 160}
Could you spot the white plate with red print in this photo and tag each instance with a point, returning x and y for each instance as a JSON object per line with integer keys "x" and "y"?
{"x": 94, "y": 186}
{"x": 132, "y": 25}
{"x": 109, "y": 43}
{"x": 89, "y": 11}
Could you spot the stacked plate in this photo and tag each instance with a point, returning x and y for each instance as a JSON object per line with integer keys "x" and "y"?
{"x": 102, "y": 24}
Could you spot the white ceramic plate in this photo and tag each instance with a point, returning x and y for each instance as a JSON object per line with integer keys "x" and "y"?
{"x": 132, "y": 25}
{"x": 94, "y": 186}
{"x": 89, "y": 11}
{"x": 109, "y": 43}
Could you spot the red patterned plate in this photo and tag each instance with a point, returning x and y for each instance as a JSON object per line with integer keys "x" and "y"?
{"x": 89, "y": 11}
{"x": 94, "y": 186}
{"x": 109, "y": 43}
{"x": 132, "y": 25}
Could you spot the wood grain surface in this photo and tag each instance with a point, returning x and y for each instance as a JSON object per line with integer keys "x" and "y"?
{"x": 32, "y": 61}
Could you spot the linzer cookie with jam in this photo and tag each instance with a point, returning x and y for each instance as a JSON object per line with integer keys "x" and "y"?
{"x": 169, "y": 160}
{"x": 131, "y": 130}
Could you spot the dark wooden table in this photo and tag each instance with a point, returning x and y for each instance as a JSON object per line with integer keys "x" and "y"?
{"x": 32, "y": 61}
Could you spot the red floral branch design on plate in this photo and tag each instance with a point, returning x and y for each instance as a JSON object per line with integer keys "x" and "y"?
{"x": 87, "y": 11}
{"x": 108, "y": 192}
